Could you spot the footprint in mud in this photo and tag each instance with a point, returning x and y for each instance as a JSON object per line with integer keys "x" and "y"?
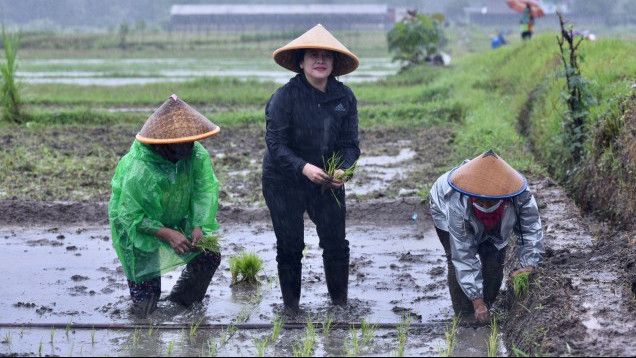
{"x": 78, "y": 278}
{"x": 437, "y": 271}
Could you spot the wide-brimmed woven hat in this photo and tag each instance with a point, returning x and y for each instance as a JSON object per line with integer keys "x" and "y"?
{"x": 317, "y": 38}
{"x": 176, "y": 122}
{"x": 487, "y": 177}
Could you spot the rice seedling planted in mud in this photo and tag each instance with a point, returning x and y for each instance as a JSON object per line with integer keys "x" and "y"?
{"x": 170, "y": 348}
{"x": 449, "y": 336}
{"x": 246, "y": 265}
{"x": 261, "y": 346}
{"x": 327, "y": 325}
{"x": 306, "y": 348}
{"x": 277, "y": 326}
{"x": 520, "y": 283}
{"x": 493, "y": 339}
{"x": 402, "y": 333}
{"x": 194, "y": 328}
{"x": 368, "y": 332}
{"x": 40, "y": 349}
{"x": 9, "y": 94}
{"x": 353, "y": 343}
{"x": 211, "y": 348}
{"x": 209, "y": 243}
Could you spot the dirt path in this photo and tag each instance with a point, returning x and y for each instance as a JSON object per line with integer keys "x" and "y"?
{"x": 583, "y": 301}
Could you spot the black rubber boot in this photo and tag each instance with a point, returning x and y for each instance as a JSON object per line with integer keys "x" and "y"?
{"x": 195, "y": 279}
{"x": 337, "y": 277}
{"x": 144, "y": 307}
{"x": 290, "y": 279}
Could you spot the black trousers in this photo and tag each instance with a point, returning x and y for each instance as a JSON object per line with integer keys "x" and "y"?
{"x": 287, "y": 204}
{"x": 492, "y": 264}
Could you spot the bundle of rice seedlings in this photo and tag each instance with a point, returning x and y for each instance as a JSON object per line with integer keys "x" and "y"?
{"x": 209, "y": 243}
{"x": 245, "y": 265}
{"x": 521, "y": 283}
{"x": 334, "y": 163}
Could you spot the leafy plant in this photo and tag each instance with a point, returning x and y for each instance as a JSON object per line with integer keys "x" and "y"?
{"x": 520, "y": 283}
{"x": 9, "y": 94}
{"x": 493, "y": 339}
{"x": 209, "y": 243}
{"x": 414, "y": 38}
{"x": 577, "y": 95}
{"x": 246, "y": 265}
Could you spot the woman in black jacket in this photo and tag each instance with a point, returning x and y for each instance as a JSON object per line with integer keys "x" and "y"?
{"x": 309, "y": 119}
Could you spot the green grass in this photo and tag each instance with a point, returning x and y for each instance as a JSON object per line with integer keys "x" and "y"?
{"x": 244, "y": 267}
{"x": 521, "y": 284}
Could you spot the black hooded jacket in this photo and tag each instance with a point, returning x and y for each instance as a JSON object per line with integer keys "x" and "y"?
{"x": 305, "y": 125}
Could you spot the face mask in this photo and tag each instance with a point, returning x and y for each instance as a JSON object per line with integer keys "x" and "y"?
{"x": 488, "y": 210}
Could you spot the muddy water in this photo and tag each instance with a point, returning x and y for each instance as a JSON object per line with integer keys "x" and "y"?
{"x": 72, "y": 275}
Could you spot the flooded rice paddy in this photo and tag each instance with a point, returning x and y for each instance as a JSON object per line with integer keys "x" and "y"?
{"x": 119, "y": 72}
{"x": 80, "y": 282}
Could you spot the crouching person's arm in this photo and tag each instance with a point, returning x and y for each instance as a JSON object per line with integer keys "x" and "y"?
{"x": 528, "y": 228}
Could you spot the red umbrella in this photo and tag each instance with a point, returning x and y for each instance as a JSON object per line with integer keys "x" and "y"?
{"x": 520, "y": 6}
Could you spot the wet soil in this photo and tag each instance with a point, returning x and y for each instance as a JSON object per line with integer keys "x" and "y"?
{"x": 582, "y": 300}
{"x": 75, "y": 163}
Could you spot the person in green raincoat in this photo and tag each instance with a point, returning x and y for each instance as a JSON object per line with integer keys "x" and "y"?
{"x": 164, "y": 199}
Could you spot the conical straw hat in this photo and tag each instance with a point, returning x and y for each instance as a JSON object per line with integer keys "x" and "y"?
{"x": 176, "y": 122}
{"x": 317, "y": 38}
{"x": 487, "y": 177}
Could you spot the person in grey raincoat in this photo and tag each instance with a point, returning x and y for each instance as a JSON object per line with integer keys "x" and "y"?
{"x": 476, "y": 208}
{"x": 309, "y": 119}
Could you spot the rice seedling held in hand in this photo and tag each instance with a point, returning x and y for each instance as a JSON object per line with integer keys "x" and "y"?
{"x": 209, "y": 243}
{"x": 334, "y": 163}
{"x": 244, "y": 268}
{"x": 521, "y": 283}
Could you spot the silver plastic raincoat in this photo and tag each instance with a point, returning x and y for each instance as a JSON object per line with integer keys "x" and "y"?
{"x": 452, "y": 212}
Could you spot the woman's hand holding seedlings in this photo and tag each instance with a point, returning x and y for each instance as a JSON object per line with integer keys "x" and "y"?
{"x": 315, "y": 174}
{"x": 197, "y": 235}
{"x": 528, "y": 269}
{"x": 176, "y": 239}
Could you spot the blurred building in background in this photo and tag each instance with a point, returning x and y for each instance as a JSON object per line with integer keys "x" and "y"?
{"x": 280, "y": 17}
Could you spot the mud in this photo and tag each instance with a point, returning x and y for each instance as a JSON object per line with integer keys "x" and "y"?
{"x": 385, "y": 285}
{"x": 581, "y": 301}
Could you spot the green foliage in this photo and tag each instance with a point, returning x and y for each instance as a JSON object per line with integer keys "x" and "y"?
{"x": 577, "y": 95}
{"x": 209, "y": 243}
{"x": 9, "y": 94}
{"x": 306, "y": 347}
{"x": 402, "y": 334}
{"x": 277, "y": 326}
{"x": 493, "y": 339}
{"x": 244, "y": 267}
{"x": 521, "y": 283}
{"x": 450, "y": 338}
{"x": 414, "y": 38}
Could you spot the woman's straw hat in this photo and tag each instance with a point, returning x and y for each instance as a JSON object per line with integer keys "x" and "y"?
{"x": 176, "y": 122}
{"x": 317, "y": 38}
{"x": 487, "y": 177}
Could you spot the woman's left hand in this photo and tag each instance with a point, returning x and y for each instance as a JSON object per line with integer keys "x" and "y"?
{"x": 197, "y": 235}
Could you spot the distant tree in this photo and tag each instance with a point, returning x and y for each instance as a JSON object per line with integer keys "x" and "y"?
{"x": 415, "y": 37}
{"x": 124, "y": 29}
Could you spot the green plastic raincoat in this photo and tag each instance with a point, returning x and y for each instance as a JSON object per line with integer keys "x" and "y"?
{"x": 149, "y": 193}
